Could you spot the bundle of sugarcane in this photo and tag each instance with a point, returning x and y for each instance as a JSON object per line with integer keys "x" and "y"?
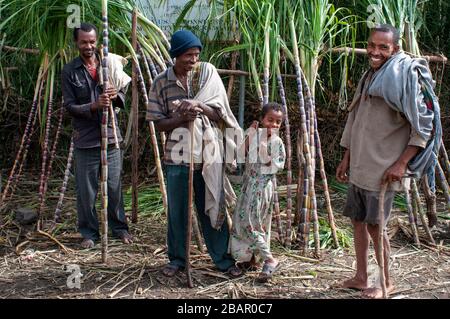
{"x": 16, "y": 170}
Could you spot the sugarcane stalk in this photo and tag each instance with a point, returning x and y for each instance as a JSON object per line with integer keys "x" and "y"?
{"x": 64, "y": 184}
{"x": 27, "y": 132}
{"x": 444, "y": 160}
{"x": 197, "y": 233}
{"x": 45, "y": 146}
{"x": 322, "y": 166}
{"x": 28, "y": 139}
{"x": 300, "y": 180}
{"x": 104, "y": 143}
{"x": 442, "y": 181}
{"x": 416, "y": 198}
{"x": 306, "y": 145}
{"x": 430, "y": 199}
{"x": 266, "y": 68}
{"x": 135, "y": 126}
{"x": 312, "y": 142}
{"x": 151, "y": 71}
{"x": 146, "y": 66}
{"x": 190, "y": 205}
{"x": 53, "y": 152}
{"x": 412, "y": 217}
{"x": 381, "y": 239}
{"x": 277, "y": 215}
{"x": 111, "y": 111}
{"x": 288, "y": 160}
{"x": 162, "y": 185}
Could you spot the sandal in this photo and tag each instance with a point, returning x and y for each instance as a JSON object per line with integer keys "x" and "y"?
{"x": 267, "y": 272}
{"x": 171, "y": 270}
{"x": 234, "y": 271}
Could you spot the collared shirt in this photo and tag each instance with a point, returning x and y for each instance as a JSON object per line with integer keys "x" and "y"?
{"x": 165, "y": 90}
{"x": 376, "y": 135}
{"x": 80, "y": 90}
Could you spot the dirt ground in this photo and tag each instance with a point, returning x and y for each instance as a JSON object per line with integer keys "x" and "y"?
{"x": 33, "y": 265}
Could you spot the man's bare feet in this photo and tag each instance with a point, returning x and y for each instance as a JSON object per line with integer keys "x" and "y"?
{"x": 377, "y": 293}
{"x": 87, "y": 243}
{"x": 355, "y": 283}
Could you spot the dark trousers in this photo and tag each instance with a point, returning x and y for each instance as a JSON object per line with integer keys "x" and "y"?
{"x": 177, "y": 196}
{"x": 87, "y": 174}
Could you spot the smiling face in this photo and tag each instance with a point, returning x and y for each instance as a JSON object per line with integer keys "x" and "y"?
{"x": 272, "y": 121}
{"x": 86, "y": 43}
{"x": 380, "y": 48}
{"x": 187, "y": 61}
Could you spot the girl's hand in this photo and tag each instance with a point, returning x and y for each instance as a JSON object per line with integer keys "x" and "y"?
{"x": 254, "y": 125}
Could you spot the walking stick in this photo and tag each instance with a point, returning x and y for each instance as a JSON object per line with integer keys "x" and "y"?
{"x": 381, "y": 239}
{"x": 190, "y": 194}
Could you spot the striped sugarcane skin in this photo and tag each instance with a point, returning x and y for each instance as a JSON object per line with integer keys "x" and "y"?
{"x": 323, "y": 175}
{"x": 306, "y": 145}
{"x": 23, "y": 145}
{"x": 146, "y": 67}
{"x": 104, "y": 144}
{"x": 412, "y": 217}
{"x": 25, "y": 136}
{"x": 162, "y": 185}
{"x": 52, "y": 154}
{"x": 324, "y": 178}
{"x": 288, "y": 160}
{"x": 64, "y": 185}
{"x": 416, "y": 198}
{"x": 28, "y": 139}
{"x": 45, "y": 149}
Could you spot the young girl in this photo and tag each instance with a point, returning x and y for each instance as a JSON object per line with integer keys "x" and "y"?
{"x": 265, "y": 155}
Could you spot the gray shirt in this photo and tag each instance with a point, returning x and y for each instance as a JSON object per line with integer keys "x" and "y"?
{"x": 80, "y": 90}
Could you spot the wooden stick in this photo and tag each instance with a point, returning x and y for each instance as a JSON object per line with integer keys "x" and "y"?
{"x": 104, "y": 144}
{"x": 23, "y": 50}
{"x": 430, "y": 58}
{"x": 190, "y": 205}
{"x": 416, "y": 197}
{"x": 412, "y": 217}
{"x": 135, "y": 127}
{"x": 381, "y": 239}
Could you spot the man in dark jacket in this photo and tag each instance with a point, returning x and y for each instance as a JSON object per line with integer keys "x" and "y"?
{"x": 84, "y": 99}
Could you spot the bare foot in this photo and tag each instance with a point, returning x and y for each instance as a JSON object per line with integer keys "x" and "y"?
{"x": 126, "y": 238}
{"x": 355, "y": 283}
{"x": 87, "y": 243}
{"x": 377, "y": 293}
